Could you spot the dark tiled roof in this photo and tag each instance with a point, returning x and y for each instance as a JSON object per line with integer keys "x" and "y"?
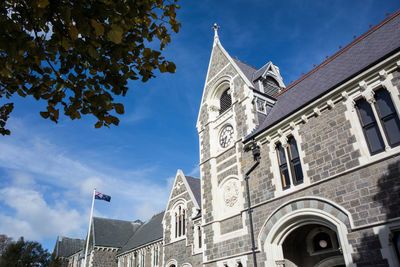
{"x": 195, "y": 186}
{"x": 245, "y": 68}
{"x": 113, "y": 233}
{"x": 66, "y": 246}
{"x": 373, "y": 46}
{"x": 147, "y": 233}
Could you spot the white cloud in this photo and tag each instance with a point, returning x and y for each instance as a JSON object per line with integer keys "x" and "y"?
{"x": 34, "y": 218}
{"x": 37, "y": 168}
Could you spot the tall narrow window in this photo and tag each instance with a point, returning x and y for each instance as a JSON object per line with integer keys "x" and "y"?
{"x": 370, "y": 127}
{"x": 180, "y": 222}
{"x": 295, "y": 164}
{"x": 388, "y": 116}
{"x": 290, "y": 156}
{"x": 176, "y": 225}
{"x": 225, "y": 101}
{"x": 283, "y": 166}
{"x": 199, "y": 235}
{"x": 183, "y": 222}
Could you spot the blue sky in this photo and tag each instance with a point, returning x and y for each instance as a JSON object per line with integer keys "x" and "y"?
{"x": 48, "y": 171}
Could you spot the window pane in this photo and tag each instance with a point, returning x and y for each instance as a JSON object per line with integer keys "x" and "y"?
{"x": 281, "y": 154}
{"x": 285, "y": 177}
{"x": 396, "y": 241}
{"x": 365, "y": 112}
{"x": 293, "y": 148}
{"x": 298, "y": 171}
{"x": 374, "y": 138}
{"x": 370, "y": 127}
{"x": 384, "y": 103}
{"x": 392, "y": 128}
{"x": 387, "y": 114}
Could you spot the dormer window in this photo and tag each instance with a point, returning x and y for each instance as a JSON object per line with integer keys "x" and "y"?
{"x": 271, "y": 86}
{"x": 225, "y": 101}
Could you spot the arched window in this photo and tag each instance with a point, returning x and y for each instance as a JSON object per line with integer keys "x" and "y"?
{"x": 225, "y": 101}
{"x": 179, "y": 220}
{"x": 199, "y": 235}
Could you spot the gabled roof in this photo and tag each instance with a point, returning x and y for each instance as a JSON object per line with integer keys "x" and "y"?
{"x": 252, "y": 74}
{"x": 113, "y": 233}
{"x": 66, "y": 246}
{"x": 146, "y": 234}
{"x": 195, "y": 186}
{"x": 375, "y": 45}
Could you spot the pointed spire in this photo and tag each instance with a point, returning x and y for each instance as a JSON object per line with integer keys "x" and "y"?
{"x": 215, "y": 28}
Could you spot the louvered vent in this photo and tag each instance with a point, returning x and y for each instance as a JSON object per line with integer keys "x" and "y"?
{"x": 225, "y": 101}
{"x": 271, "y": 87}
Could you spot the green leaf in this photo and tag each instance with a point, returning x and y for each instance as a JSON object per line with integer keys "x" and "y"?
{"x": 44, "y": 114}
{"x": 98, "y": 124}
{"x": 115, "y": 34}
{"x": 119, "y": 108}
{"x": 43, "y": 3}
{"x": 98, "y": 27}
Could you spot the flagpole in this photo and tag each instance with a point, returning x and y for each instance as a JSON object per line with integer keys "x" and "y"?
{"x": 90, "y": 224}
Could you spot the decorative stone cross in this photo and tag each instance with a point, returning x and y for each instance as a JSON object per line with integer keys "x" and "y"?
{"x": 215, "y": 28}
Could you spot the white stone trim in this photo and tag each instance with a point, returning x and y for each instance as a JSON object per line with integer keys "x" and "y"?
{"x": 336, "y": 95}
{"x": 366, "y": 90}
{"x": 232, "y": 262}
{"x": 295, "y": 219}
{"x": 274, "y": 169}
{"x": 385, "y": 233}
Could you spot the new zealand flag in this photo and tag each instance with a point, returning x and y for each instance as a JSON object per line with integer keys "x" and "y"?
{"x": 102, "y": 197}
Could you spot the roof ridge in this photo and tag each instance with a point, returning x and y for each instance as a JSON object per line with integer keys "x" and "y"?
{"x": 348, "y": 46}
{"x": 188, "y": 176}
{"x": 112, "y": 219}
{"x": 236, "y": 58}
{"x": 157, "y": 214}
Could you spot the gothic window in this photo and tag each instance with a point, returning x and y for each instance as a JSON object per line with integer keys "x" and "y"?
{"x": 379, "y": 121}
{"x": 396, "y": 243}
{"x": 225, "y": 101}
{"x": 180, "y": 221}
{"x": 289, "y": 163}
{"x": 199, "y": 236}
{"x": 155, "y": 256}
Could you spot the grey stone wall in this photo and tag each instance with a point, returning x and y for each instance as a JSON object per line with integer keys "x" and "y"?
{"x": 369, "y": 193}
{"x": 231, "y": 224}
{"x": 104, "y": 257}
{"x": 181, "y": 250}
{"x": 328, "y": 144}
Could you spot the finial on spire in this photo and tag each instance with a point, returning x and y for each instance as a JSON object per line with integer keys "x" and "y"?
{"x": 215, "y": 28}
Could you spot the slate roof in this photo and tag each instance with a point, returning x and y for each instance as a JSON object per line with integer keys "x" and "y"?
{"x": 147, "y": 233}
{"x": 253, "y": 74}
{"x": 378, "y": 43}
{"x": 66, "y": 246}
{"x": 195, "y": 186}
{"x": 113, "y": 233}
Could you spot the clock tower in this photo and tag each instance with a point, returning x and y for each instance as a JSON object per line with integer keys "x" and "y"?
{"x": 228, "y": 113}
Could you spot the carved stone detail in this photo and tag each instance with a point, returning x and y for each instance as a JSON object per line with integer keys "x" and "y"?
{"x": 231, "y": 193}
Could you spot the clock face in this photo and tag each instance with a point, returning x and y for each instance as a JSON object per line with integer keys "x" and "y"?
{"x": 226, "y": 136}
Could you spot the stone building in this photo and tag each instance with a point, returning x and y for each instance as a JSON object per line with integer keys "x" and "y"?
{"x": 325, "y": 186}
{"x": 145, "y": 247}
{"x": 306, "y": 174}
{"x": 67, "y": 250}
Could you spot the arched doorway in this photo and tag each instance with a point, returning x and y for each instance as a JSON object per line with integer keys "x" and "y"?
{"x": 312, "y": 245}
{"x": 306, "y": 232}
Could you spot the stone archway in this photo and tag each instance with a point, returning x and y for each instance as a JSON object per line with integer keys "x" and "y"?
{"x": 296, "y": 219}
